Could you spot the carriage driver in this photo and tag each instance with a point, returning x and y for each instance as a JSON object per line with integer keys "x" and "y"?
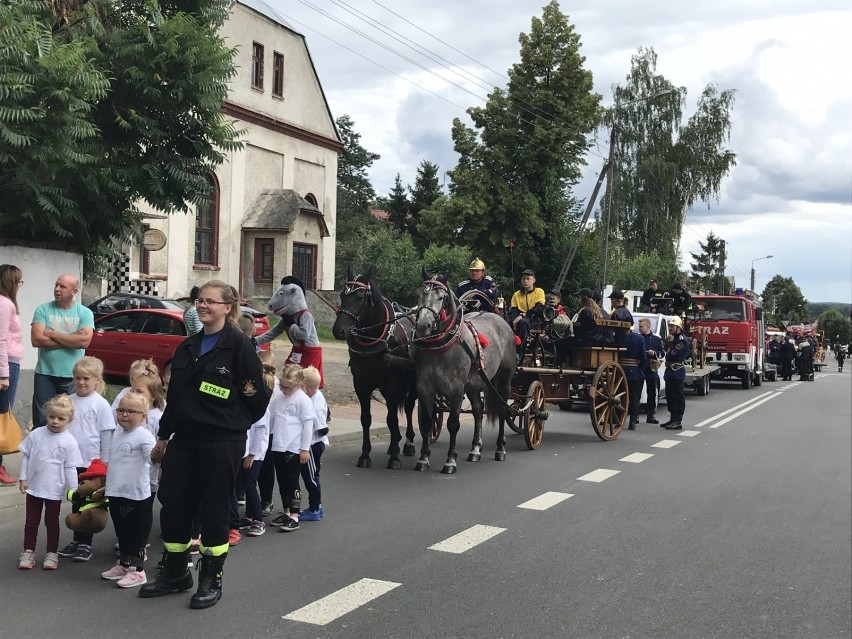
{"x": 479, "y": 281}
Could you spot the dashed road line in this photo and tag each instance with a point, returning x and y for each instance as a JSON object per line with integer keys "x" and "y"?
{"x": 636, "y": 458}
{"x": 467, "y": 539}
{"x": 545, "y": 501}
{"x": 689, "y": 433}
{"x": 599, "y": 475}
{"x": 666, "y": 443}
{"x": 345, "y": 600}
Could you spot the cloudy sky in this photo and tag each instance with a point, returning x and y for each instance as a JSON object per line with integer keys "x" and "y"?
{"x": 789, "y": 61}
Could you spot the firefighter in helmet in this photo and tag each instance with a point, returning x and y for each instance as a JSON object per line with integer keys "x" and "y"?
{"x": 677, "y": 350}
{"x": 479, "y": 281}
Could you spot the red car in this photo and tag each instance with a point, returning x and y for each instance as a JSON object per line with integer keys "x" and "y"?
{"x": 123, "y": 337}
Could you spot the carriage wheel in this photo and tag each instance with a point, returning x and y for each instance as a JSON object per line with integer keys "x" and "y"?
{"x": 437, "y": 424}
{"x": 608, "y": 394}
{"x": 534, "y": 416}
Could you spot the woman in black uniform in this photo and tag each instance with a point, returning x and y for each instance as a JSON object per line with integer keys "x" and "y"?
{"x": 216, "y": 393}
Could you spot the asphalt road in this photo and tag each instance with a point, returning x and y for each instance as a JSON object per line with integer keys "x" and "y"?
{"x": 740, "y": 530}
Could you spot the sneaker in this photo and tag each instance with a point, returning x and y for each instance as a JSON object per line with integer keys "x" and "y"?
{"x": 289, "y": 526}
{"x": 51, "y": 561}
{"x": 257, "y": 529}
{"x": 234, "y": 537}
{"x": 132, "y": 579}
{"x": 311, "y": 515}
{"x": 84, "y": 553}
{"x": 70, "y": 550}
{"x": 279, "y": 520}
{"x": 266, "y": 509}
{"x": 27, "y": 560}
{"x": 5, "y": 478}
{"x": 195, "y": 547}
{"x": 116, "y": 572}
{"x": 241, "y": 501}
{"x": 245, "y": 523}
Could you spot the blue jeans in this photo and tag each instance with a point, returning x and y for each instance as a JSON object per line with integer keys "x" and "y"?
{"x": 7, "y": 397}
{"x": 44, "y": 388}
{"x": 247, "y": 479}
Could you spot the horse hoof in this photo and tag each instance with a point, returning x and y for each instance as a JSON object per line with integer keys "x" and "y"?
{"x": 500, "y": 455}
{"x": 449, "y": 470}
{"x": 408, "y": 450}
{"x": 393, "y": 464}
{"x": 474, "y": 457}
{"x": 421, "y": 466}
{"x": 364, "y": 462}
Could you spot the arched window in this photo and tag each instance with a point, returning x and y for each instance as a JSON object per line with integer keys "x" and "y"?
{"x": 207, "y": 227}
{"x": 312, "y": 199}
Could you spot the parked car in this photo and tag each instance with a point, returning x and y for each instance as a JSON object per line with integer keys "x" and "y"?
{"x": 121, "y": 338}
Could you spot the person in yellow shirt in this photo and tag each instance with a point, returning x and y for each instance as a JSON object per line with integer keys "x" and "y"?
{"x": 527, "y": 303}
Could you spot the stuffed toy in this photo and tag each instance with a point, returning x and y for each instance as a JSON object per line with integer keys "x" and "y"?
{"x": 289, "y": 304}
{"x": 88, "y": 503}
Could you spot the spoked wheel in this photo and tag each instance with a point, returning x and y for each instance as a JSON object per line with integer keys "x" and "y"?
{"x": 437, "y": 424}
{"x": 534, "y": 416}
{"x": 608, "y": 395}
{"x": 516, "y": 416}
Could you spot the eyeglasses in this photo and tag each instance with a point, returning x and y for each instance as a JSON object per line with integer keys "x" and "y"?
{"x": 127, "y": 411}
{"x": 208, "y": 302}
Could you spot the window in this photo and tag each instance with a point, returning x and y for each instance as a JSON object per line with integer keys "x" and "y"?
{"x": 264, "y": 257}
{"x": 305, "y": 264}
{"x": 310, "y": 197}
{"x": 207, "y": 227}
{"x": 257, "y": 66}
{"x": 145, "y": 254}
{"x": 278, "y": 74}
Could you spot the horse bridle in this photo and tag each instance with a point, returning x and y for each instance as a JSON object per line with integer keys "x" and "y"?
{"x": 350, "y": 287}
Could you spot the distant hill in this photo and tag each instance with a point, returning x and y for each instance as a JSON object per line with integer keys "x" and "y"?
{"x": 815, "y": 309}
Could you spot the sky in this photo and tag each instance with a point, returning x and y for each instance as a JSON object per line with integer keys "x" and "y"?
{"x": 790, "y": 63}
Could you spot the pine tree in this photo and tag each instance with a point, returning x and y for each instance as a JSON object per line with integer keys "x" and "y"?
{"x": 706, "y": 274}
{"x": 398, "y": 205}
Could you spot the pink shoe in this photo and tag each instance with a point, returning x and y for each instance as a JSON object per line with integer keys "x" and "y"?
{"x": 51, "y": 561}
{"x": 27, "y": 560}
{"x": 5, "y": 478}
{"x": 116, "y": 572}
{"x": 132, "y": 579}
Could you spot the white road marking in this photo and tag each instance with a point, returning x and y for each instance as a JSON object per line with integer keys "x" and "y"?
{"x": 666, "y": 443}
{"x": 467, "y": 539}
{"x": 689, "y": 433}
{"x": 745, "y": 410}
{"x": 731, "y": 410}
{"x": 599, "y": 475}
{"x": 345, "y": 600}
{"x": 636, "y": 458}
{"x": 545, "y": 501}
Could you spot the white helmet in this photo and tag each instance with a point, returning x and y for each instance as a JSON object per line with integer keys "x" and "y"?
{"x": 676, "y": 321}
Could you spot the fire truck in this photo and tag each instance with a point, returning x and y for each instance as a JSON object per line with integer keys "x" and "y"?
{"x": 735, "y": 333}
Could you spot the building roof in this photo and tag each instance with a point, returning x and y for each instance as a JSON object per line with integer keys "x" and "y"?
{"x": 277, "y": 210}
{"x": 267, "y": 10}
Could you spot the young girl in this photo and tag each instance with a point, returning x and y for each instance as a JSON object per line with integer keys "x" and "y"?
{"x": 49, "y": 465}
{"x": 245, "y": 323}
{"x": 319, "y": 441}
{"x": 137, "y": 368}
{"x": 92, "y": 427}
{"x": 149, "y": 386}
{"x": 128, "y": 487}
{"x": 292, "y": 421}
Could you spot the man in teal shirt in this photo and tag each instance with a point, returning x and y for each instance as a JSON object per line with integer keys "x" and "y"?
{"x": 61, "y": 330}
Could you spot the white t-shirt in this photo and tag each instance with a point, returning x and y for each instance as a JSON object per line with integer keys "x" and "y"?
{"x": 257, "y": 441}
{"x": 50, "y": 462}
{"x": 320, "y": 417}
{"x": 129, "y": 470}
{"x": 292, "y": 422}
{"x": 92, "y": 415}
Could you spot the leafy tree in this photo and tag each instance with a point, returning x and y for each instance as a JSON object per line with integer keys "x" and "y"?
{"x": 105, "y": 104}
{"x": 447, "y": 260}
{"x": 634, "y": 274}
{"x": 663, "y": 166}
{"x": 837, "y": 327}
{"x": 517, "y": 165}
{"x": 706, "y": 273}
{"x": 398, "y": 205}
{"x": 784, "y": 301}
{"x": 393, "y": 259}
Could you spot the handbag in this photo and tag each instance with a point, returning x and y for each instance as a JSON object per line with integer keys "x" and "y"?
{"x": 10, "y": 433}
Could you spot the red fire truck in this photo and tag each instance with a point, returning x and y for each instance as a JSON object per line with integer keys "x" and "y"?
{"x": 735, "y": 336}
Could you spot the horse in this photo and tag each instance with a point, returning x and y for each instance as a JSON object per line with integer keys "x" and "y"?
{"x": 367, "y": 322}
{"x": 456, "y": 356}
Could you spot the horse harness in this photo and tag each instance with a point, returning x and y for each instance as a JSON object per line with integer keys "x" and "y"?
{"x": 359, "y": 341}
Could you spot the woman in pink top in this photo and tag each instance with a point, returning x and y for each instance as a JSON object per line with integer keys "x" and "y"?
{"x": 11, "y": 346}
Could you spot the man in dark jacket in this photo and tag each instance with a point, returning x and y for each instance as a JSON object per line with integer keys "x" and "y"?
{"x": 655, "y": 352}
{"x": 619, "y": 313}
{"x": 650, "y": 297}
{"x": 787, "y": 354}
{"x": 634, "y": 362}
{"x": 677, "y": 350}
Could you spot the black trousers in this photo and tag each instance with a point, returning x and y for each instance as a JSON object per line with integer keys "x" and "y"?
{"x": 198, "y": 480}
{"x": 288, "y": 468}
{"x": 675, "y": 398}
{"x": 132, "y": 521}
{"x": 652, "y": 388}
{"x": 266, "y": 479}
{"x": 635, "y": 388}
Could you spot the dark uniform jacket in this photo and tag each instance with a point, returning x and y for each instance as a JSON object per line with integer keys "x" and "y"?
{"x": 215, "y": 397}
{"x": 635, "y": 359}
{"x": 682, "y": 301}
{"x": 649, "y": 297}
{"x": 676, "y": 353}
{"x": 487, "y": 285}
{"x": 621, "y": 314}
{"x": 653, "y": 343}
{"x": 586, "y": 331}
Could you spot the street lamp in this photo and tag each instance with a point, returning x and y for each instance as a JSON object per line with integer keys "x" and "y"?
{"x": 752, "y": 269}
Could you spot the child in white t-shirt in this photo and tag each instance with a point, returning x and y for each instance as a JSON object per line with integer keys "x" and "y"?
{"x": 50, "y": 458}
{"x": 128, "y": 487}
{"x": 137, "y": 368}
{"x": 292, "y": 424}
{"x": 150, "y": 386}
{"x": 319, "y": 441}
{"x": 92, "y": 427}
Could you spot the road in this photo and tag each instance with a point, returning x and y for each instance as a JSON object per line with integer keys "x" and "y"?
{"x": 737, "y": 528}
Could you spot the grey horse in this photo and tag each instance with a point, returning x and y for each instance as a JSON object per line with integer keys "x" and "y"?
{"x": 457, "y": 355}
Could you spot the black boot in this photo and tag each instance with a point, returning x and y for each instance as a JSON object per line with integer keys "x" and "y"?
{"x": 676, "y": 423}
{"x": 209, "y": 582}
{"x": 632, "y": 424}
{"x": 174, "y": 576}
{"x": 667, "y": 423}
{"x": 652, "y": 419}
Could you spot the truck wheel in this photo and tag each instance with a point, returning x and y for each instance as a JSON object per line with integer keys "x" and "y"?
{"x": 770, "y": 376}
{"x": 745, "y": 380}
{"x": 700, "y": 385}
{"x": 758, "y": 379}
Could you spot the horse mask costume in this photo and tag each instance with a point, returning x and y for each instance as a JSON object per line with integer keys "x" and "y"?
{"x": 288, "y": 303}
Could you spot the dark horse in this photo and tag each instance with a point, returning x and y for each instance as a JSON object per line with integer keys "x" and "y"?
{"x": 367, "y": 322}
{"x": 457, "y": 355}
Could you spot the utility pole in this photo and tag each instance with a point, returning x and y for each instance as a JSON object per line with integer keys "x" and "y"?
{"x": 608, "y": 214}
{"x": 721, "y": 284}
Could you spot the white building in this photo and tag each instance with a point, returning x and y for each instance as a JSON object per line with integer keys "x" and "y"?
{"x": 274, "y": 208}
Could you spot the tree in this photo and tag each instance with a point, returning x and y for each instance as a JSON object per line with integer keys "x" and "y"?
{"x": 663, "y": 166}
{"x": 784, "y": 301}
{"x": 706, "y": 272}
{"x": 447, "y": 260}
{"x": 634, "y": 274}
{"x": 516, "y": 166}
{"x": 393, "y": 259}
{"x": 398, "y": 205}
{"x": 105, "y": 104}
{"x": 426, "y": 190}
{"x": 836, "y": 326}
